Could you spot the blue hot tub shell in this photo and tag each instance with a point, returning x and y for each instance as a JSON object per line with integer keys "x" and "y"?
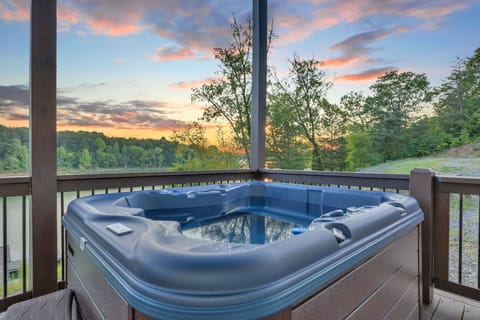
{"x": 164, "y": 274}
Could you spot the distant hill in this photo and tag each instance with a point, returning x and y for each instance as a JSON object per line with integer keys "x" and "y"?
{"x": 470, "y": 150}
{"x": 463, "y": 160}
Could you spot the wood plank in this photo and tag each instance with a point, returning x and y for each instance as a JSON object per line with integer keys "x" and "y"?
{"x": 414, "y": 315}
{"x": 17, "y": 186}
{"x": 456, "y": 184}
{"x": 448, "y": 310}
{"x": 137, "y": 315}
{"x": 285, "y": 314}
{"x": 471, "y": 313}
{"x": 429, "y": 309}
{"x": 96, "y": 297}
{"x": 459, "y": 289}
{"x": 406, "y": 304}
{"x": 102, "y": 181}
{"x": 353, "y": 289}
{"x": 379, "y": 303}
{"x": 458, "y": 297}
{"x": 374, "y": 180}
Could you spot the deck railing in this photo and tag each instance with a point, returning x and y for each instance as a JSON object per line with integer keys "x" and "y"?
{"x": 456, "y": 235}
{"x": 452, "y": 239}
{"x": 14, "y": 203}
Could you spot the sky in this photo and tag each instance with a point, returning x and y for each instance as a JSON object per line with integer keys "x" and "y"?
{"x": 127, "y": 68}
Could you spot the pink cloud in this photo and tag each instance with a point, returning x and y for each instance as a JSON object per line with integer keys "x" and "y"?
{"x": 194, "y": 24}
{"x": 67, "y": 15}
{"x": 17, "y": 10}
{"x": 367, "y": 75}
{"x": 436, "y": 10}
{"x": 173, "y": 53}
{"x": 111, "y": 27}
{"x": 324, "y": 14}
{"x": 298, "y": 27}
{"x": 355, "y": 50}
{"x": 97, "y": 23}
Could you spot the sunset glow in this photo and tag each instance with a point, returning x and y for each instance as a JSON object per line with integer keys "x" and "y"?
{"x": 127, "y": 68}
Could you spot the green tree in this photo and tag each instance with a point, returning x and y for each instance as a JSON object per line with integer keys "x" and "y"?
{"x": 332, "y": 139}
{"x": 361, "y": 151}
{"x": 228, "y": 97}
{"x": 138, "y": 157}
{"x": 15, "y": 155}
{"x": 116, "y": 154}
{"x": 84, "y": 160}
{"x": 125, "y": 156}
{"x": 397, "y": 101}
{"x": 64, "y": 158}
{"x": 426, "y": 137}
{"x": 285, "y": 147}
{"x": 356, "y": 114}
{"x": 155, "y": 157}
{"x": 305, "y": 92}
{"x": 195, "y": 153}
{"x": 458, "y": 101}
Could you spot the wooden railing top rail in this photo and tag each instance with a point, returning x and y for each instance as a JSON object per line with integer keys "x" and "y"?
{"x": 102, "y": 181}
{"x": 12, "y": 186}
{"x": 457, "y": 184}
{"x": 15, "y": 186}
{"x": 373, "y": 180}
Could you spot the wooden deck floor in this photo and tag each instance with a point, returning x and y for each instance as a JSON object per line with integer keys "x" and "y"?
{"x": 447, "y": 306}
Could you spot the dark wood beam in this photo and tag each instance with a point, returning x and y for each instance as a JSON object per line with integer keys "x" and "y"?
{"x": 259, "y": 85}
{"x": 43, "y": 165}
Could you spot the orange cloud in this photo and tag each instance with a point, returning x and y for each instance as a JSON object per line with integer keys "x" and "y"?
{"x": 110, "y": 27}
{"x": 173, "y": 53}
{"x": 367, "y": 75}
{"x": 191, "y": 84}
{"x": 337, "y": 62}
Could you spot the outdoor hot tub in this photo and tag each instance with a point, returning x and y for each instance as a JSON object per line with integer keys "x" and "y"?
{"x": 244, "y": 251}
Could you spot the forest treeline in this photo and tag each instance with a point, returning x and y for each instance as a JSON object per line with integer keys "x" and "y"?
{"x": 83, "y": 150}
{"x": 402, "y": 116}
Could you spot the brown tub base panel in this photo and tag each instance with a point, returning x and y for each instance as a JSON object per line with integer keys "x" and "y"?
{"x": 385, "y": 286}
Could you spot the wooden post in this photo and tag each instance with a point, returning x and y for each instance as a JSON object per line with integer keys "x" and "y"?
{"x": 43, "y": 164}
{"x": 259, "y": 85}
{"x": 422, "y": 188}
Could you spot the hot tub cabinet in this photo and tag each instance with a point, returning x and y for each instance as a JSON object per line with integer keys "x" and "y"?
{"x": 245, "y": 251}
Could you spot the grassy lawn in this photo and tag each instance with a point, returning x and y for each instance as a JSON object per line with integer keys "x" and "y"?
{"x": 454, "y": 166}
{"x": 15, "y": 285}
